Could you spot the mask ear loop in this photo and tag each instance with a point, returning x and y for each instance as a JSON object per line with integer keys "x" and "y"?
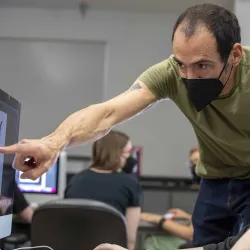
{"x": 225, "y": 64}
{"x": 223, "y": 70}
{"x": 228, "y": 77}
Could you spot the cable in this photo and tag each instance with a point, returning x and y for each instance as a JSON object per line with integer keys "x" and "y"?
{"x": 24, "y": 248}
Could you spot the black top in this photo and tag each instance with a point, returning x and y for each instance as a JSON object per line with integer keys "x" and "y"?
{"x": 119, "y": 190}
{"x": 20, "y": 202}
{"x": 228, "y": 243}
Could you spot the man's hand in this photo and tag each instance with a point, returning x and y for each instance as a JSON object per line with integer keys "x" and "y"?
{"x": 151, "y": 218}
{"x": 109, "y": 247}
{"x": 44, "y": 152}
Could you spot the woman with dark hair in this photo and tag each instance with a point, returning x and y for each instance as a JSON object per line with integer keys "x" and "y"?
{"x": 105, "y": 182}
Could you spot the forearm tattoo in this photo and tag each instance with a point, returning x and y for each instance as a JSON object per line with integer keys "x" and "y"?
{"x": 136, "y": 86}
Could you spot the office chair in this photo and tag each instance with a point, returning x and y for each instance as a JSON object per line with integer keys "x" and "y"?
{"x": 77, "y": 224}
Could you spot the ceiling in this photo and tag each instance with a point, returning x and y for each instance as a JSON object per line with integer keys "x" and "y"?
{"x": 166, "y": 6}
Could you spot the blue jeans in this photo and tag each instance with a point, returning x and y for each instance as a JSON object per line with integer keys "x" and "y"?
{"x": 222, "y": 209}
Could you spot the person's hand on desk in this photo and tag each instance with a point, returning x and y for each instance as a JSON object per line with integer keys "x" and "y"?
{"x": 166, "y": 223}
{"x": 5, "y": 203}
{"x": 151, "y": 218}
{"x": 179, "y": 214}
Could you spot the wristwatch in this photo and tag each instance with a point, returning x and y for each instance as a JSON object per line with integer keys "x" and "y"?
{"x": 161, "y": 222}
{"x": 167, "y": 216}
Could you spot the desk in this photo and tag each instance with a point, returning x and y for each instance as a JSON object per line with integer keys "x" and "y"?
{"x": 153, "y": 228}
{"x": 146, "y": 227}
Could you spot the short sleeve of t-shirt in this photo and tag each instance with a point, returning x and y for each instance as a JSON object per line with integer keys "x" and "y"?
{"x": 135, "y": 194}
{"x": 161, "y": 79}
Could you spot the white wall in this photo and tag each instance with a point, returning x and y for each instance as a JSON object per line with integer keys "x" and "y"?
{"x": 242, "y": 12}
{"x": 61, "y": 76}
{"x": 134, "y": 42}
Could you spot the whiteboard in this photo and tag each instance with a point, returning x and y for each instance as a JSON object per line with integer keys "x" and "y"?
{"x": 51, "y": 79}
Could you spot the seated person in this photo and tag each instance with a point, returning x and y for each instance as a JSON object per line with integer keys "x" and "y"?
{"x": 104, "y": 181}
{"x": 18, "y": 206}
{"x": 238, "y": 242}
{"x": 176, "y": 233}
{"x": 21, "y": 207}
{"x": 194, "y": 157}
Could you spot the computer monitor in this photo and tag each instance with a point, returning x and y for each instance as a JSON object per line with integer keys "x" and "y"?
{"x": 49, "y": 186}
{"x": 9, "y": 130}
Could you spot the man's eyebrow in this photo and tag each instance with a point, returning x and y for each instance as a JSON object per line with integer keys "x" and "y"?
{"x": 196, "y": 62}
{"x": 177, "y": 60}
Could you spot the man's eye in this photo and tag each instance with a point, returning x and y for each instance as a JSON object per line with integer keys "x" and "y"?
{"x": 202, "y": 66}
{"x": 180, "y": 65}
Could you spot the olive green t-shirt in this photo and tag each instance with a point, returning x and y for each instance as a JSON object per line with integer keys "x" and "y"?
{"x": 222, "y": 128}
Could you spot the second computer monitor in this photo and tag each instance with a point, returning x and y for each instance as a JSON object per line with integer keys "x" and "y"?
{"x": 49, "y": 186}
{"x": 46, "y": 184}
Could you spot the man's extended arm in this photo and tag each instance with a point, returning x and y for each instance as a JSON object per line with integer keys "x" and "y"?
{"x": 95, "y": 121}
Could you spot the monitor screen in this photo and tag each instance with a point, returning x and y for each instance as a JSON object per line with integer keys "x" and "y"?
{"x": 46, "y": 184}
{"x": 9, "y": 129}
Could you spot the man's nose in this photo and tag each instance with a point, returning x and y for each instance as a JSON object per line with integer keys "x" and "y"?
{"x": 191, "y": 73}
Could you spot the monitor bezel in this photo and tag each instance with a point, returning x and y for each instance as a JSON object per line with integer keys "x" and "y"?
{"x": 11, "y": 101}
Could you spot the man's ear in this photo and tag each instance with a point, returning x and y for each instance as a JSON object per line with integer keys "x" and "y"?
{"x": 237, "y": 54}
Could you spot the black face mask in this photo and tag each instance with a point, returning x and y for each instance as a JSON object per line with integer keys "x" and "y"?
{"x": 129, "y": 166}
{"x": 203, "y": 91}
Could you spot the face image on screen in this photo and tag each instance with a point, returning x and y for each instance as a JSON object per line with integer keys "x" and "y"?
{"x": 46, "y": 184}
{"x": 9, "y": 128}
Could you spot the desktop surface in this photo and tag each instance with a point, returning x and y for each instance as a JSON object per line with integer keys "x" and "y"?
{"x": 9, "y": 130}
